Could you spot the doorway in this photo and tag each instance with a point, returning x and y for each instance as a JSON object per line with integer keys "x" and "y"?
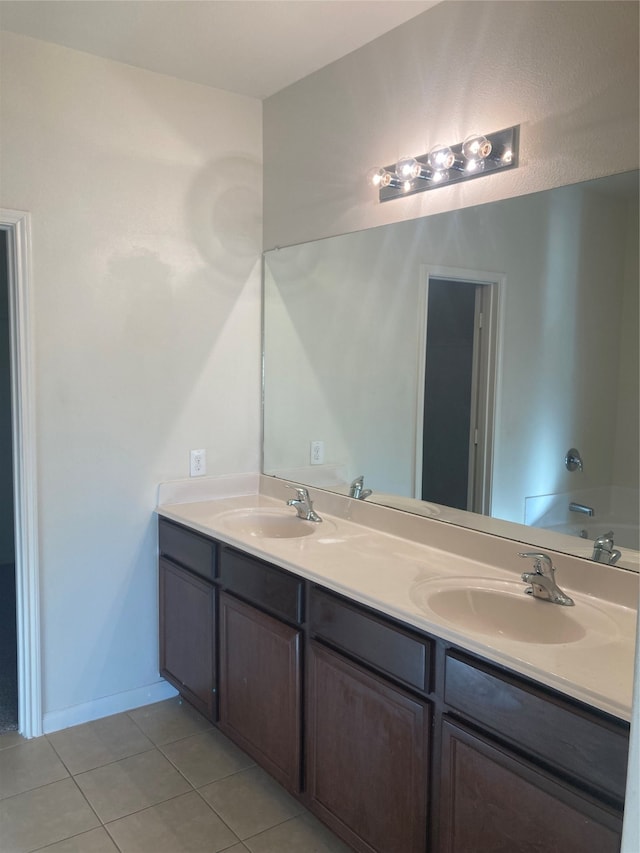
{"x": 456, "y": 395}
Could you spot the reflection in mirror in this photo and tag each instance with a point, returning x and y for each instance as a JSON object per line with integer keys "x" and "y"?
{"x": 455, "y": 360}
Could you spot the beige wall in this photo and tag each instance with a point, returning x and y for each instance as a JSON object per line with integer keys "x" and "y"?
{"x": 145, "y": 197}
{"x": 567, "y": 72}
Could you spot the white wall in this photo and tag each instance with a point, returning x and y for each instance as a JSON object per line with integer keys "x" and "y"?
{"x": 145, "y": 195}
{"x": 567, "y": 72}
{"x": 343, "y": 343}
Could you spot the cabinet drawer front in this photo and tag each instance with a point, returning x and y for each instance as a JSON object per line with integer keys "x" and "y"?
{"x": 384, "y": 647}
{"x": 188, "y": 549}
{"x": 275, "y": 590}
{"x": 591, "y": 750}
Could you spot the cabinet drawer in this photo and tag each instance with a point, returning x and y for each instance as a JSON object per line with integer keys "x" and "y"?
{"x": 188, "y": 549}
{"x": 386, "y": 648}
{"x": 590, "y": 749}
{"x": 273, "y": 589}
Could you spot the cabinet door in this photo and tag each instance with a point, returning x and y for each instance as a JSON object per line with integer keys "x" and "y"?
{"x": 187, "y": 631}
{"x": 493, "y": 802}
{"x": 367, "y": 753}
{"x": 260, "y": 688}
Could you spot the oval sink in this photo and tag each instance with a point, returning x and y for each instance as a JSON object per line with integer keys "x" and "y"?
{"x": 502, "y": 608}
{"x": 264, "y": 523}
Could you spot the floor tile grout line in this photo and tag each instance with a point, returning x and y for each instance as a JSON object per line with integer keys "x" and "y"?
{"x": 109, "y": 833}
{"x": 219, "y": 816}
{"x": 208, "y": 727}
{"x": 238, "y": 840}
{"x": 84, "y": 797}
{"x": 35, "y": 788}
{"x": 75, "y": 835}
{"x": 18, "y": 743}
{"x": 275, "y": 825}
{"x": 98, "y": 766}
{"x": 255, "y": 834}
{"x": 211, "y": 781}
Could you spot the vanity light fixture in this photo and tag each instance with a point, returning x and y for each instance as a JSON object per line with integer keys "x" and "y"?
{"x": 478, "y": 155}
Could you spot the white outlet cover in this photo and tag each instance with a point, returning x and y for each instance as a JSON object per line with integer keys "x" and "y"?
{"x": 198, "y": 463}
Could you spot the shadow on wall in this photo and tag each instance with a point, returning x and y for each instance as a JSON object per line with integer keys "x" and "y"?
{"x": 224, "y": 209}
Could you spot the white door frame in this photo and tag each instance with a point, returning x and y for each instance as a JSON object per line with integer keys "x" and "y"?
{"x": 17, "y": 224}
{"x": 492, "y": 324}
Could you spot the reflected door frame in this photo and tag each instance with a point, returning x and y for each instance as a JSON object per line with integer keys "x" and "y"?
{"x": 17, "y": 224}
{"x": 485, "y": 402}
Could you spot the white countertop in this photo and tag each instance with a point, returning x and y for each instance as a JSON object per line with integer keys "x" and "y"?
{"x": 382, "y": 571}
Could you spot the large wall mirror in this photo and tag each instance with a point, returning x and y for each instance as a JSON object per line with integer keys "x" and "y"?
{"x": 479, "y": 367}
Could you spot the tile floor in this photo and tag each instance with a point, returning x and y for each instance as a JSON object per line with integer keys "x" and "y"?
{"x": 159, "y": 779}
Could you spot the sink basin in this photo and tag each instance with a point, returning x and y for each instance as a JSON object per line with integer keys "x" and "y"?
{"x": 502, "y": 608}
{"x": 265, "y": 523}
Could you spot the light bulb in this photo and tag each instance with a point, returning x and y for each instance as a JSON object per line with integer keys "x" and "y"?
{"x": 379, "y": 177}
{"x": 476, "y": 147}
{"x": 440, "y": 176}
{"x": 407, "y": 168}
{"x": 507, "y": 157}
{"x": 441, "y": 158}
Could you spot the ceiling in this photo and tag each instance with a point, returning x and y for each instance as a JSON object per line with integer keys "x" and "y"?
{"x": 251, "y": 47}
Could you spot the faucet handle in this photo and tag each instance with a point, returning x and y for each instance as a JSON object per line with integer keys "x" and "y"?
{"x": 301, "y": 493}
{"x": 542, "y": 563}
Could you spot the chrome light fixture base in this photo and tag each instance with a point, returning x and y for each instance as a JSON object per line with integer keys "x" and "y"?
{"x": 474, "y": 158}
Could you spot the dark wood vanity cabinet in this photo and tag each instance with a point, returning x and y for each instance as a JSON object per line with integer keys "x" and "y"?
{"x": 492, "y": 801}
{"x": 187, "y": 636}
{"x": 368, "y": 735}
{"x": 261, "y": 608}
{"x": 187, "y": 620}
{"x": 260, "y": 697}
{"x": 523, "y": 769}
{"x": 399, "y": 742}
{"x": 367, "y": 756}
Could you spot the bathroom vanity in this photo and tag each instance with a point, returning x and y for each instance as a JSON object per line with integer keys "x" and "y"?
{"x": 402, "y": 732}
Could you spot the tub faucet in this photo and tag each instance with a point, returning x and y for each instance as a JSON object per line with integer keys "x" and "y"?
{"x": 603, "y": 550}
{"x": 357, "y": 490}
{"x": 587, "y": 510}
{"x": 303, "y": 504}
{"x": 543, "y": 579}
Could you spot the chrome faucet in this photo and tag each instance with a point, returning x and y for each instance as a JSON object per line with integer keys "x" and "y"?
{"x": 357, "y": 490}
{"x": 603, "y": 550}
{"x": 303, "y": 504}
{"x": 543, "y": 579}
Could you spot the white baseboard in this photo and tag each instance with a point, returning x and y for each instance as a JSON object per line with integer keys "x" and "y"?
{"x": 158, "y": 691}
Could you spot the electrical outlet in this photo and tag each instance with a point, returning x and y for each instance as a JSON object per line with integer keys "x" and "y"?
{"x": 198, "y": 466}
{"x": 316, "y": 452}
